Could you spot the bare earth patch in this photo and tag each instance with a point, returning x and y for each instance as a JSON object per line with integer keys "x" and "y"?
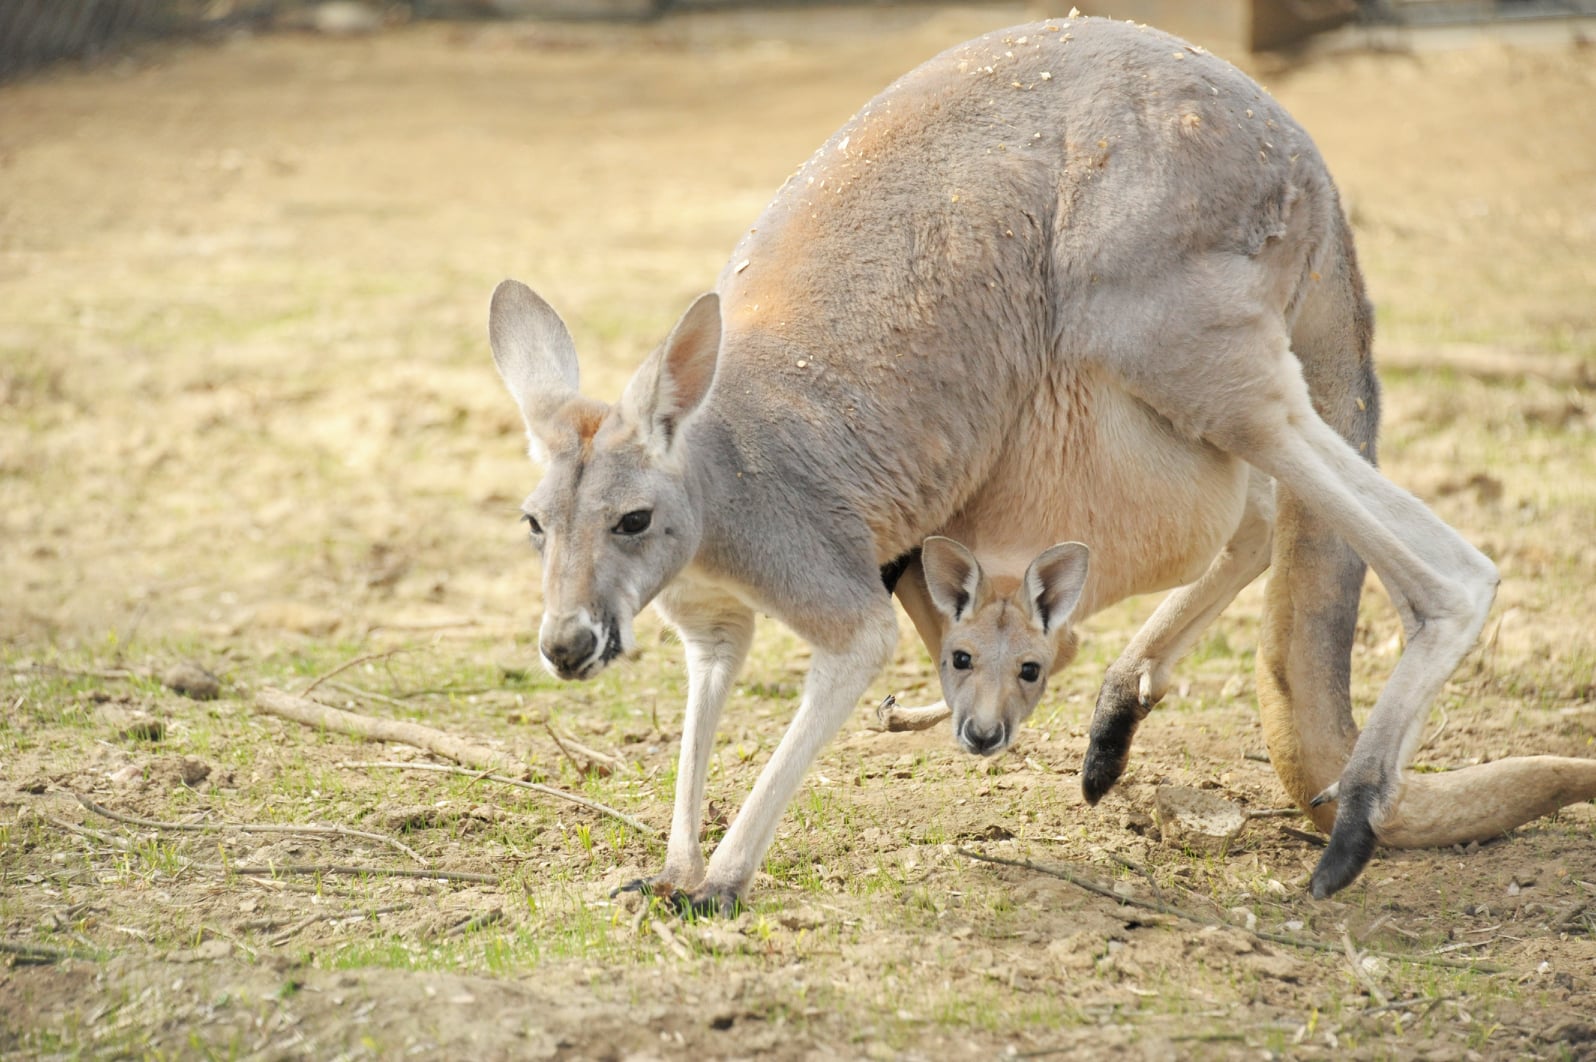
{"x": 248, "y": 422}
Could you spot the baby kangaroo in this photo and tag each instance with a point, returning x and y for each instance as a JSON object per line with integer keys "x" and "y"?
{"x": 1076, "y": 279}
{"x": 995, "y": 640}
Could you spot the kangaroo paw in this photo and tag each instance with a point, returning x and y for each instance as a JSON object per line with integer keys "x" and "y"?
{"x": 1351, "y": 841}
{"x": 895, "y": 718}
{"x": 648, "y": 887}
{"x": 706, "y": 903}
{"x": 1120, "y": 710}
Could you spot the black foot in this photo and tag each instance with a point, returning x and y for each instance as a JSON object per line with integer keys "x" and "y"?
{"x": 705, "y": 903}
{"x": 1352, "y": 840}
{"x": 1119, "y": 712}
{"x": 646, "y": 886}
{"x": 1105, "y": 762}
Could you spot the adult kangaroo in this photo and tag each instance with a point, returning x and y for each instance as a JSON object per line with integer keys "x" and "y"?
{"x": 1077, "y": 263}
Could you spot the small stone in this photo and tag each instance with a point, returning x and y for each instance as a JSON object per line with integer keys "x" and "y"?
{"x": 193, "y": 681}
{"x": 1197, "y": 819}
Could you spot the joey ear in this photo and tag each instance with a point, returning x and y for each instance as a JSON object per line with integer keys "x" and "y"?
{"x": 953, "y": 576}
{"x": 533, "y": 351}
{"x": 1054, "y": 581}
{"x": 672, "y": 383}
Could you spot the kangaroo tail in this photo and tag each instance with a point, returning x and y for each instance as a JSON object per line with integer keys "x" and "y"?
{"x": 1311, "y": 612}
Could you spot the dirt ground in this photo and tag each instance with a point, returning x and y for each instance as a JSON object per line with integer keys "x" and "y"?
{"x": 248, "y": 422}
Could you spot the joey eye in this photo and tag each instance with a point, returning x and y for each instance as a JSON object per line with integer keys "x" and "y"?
{"x": 634, "y": 522}
{"x": 1030, "y": 672}
{"x": 961, "y": 660}
{"x": 534, "y": 528}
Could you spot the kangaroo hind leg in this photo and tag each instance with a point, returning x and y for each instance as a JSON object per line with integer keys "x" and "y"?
{"x": 1441, "y": 586}
{"x": 1140, "y": 677}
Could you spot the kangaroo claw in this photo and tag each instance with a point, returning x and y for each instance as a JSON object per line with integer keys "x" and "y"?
{"x": 706, "y": 903}
{"x": 1352, "y": 841}
{"x": 1120, "y": 710}
{"x": 1329, "y": 794}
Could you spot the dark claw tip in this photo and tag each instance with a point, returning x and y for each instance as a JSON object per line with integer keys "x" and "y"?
{"x": 710, "y": 905}
{"x": 643, "y": 886}
{"x": 1351, "y": 846}
{"x": 1103, "y": 767}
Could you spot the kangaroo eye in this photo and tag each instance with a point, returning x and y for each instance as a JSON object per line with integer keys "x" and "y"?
{"x": 533, "y": 527}
{"x": 1030, "y": 672}
{"x": 961, "y": 660}
{"x": 634, "y": 522}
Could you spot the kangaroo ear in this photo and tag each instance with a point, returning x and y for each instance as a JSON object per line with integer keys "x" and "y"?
{"x": 953, "y": 576}
{"x": 1053, "y": 583}
{"x": 533, "y": 351}
{"x": 672, "y": 383}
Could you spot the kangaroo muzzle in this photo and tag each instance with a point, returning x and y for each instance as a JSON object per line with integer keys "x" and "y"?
{"x": 575, "y": 646}
{"x": 983, "y": 739}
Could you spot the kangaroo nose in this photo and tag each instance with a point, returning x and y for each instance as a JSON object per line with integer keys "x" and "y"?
{"x": 983, "y": 742}
{"x": 569, "y": 649}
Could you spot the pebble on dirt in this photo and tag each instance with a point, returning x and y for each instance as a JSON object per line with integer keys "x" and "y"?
{"x": 193, "y": 681}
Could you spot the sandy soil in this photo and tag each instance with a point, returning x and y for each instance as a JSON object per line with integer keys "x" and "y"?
{"x": 248, "y": 419}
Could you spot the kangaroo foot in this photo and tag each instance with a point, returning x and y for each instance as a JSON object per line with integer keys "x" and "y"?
{"x": 706, "y": 902}
{"x": 895, "y": 718}
{"x": 1120, "y": 709}
{"x": 1352, "y": 839}
{"x": 658, "y": 886}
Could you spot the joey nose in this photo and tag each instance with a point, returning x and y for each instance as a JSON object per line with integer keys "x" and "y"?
{"x": 983, "y": 741}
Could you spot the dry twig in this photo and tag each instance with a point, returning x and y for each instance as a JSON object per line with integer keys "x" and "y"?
{"x": 536, "y": 787}
{"x": 600, "y": 763}
{"x": 363, "y": 659}
{"x": 662, "y": 931}
{"x": 286, "y": 869}
{"x": 249, "y": 827}
{"x": 39, "y": 954}
{"x": 1164, "y": 908}
{"x": 475, "y": 922}
{"x": 1355, "y": 961}
{"x": 349, "y": 871}
{"x": 276, "y": 702}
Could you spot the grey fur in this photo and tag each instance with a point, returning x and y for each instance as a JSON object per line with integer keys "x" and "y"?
{"x": 1046, "y": 286}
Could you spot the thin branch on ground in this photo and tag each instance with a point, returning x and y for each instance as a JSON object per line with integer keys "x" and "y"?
{"x": 1164, "y": 908}
{"x": 663, "y": 932}
{"x": 84, "y": 831}
{"x": 332, "y": 916}
{"x": 547, "y": 790}
{"x": 1131, "y": 864}
{"x": 284, "y": 705}
{"x": 347, "y": 870}
{"x": 1273, "y": 813}
{"x": 284, "y": 869}
{"x": 25, "y": 952}
{"x": 363, "y": 659}
{"x": 601, "y": 763}
{"x": 250, "y": 827}
{"x": 1303, "y": 835}
{"x": 1355, "y": 961}
{"x": 262, "y": 925}
{"x": 475, "y": 922}
{"x": 117, "y": 674}
{"x": 368, "y": 695}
